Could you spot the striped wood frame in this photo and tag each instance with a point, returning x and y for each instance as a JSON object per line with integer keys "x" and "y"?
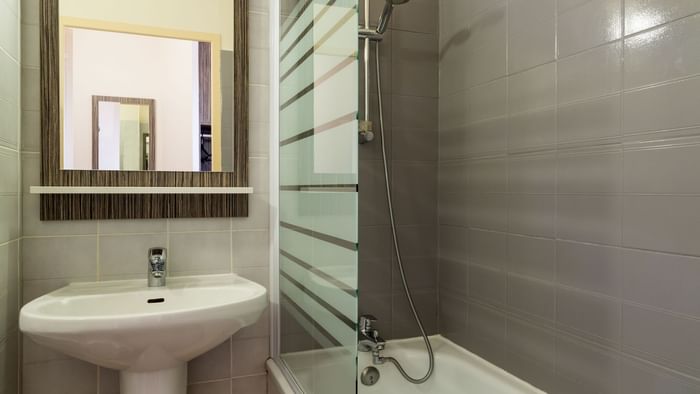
{"x": 93, "y": 206}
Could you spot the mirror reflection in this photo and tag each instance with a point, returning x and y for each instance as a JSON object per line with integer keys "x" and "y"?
{"x": 147, "y": 94}
{"x": 123, "y": 133}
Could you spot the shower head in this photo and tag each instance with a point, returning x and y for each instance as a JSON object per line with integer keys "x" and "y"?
{"x": 386, "y": 14}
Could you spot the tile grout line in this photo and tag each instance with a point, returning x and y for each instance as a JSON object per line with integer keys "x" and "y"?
{"x": 556, "y": 180}
{"x": 623, "y": 73}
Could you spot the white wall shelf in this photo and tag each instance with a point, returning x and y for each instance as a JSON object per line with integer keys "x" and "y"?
{"x": 137, "y": 190}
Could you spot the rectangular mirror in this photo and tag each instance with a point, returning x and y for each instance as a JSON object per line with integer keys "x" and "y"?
{"x": 144, "y": 95}
{"x": 176, "y": 55}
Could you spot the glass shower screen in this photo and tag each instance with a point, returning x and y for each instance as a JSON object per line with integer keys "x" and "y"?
{"x": 318, "y": 199}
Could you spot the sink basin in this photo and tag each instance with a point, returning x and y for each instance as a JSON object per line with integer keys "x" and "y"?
{"x": 149, "y": 334}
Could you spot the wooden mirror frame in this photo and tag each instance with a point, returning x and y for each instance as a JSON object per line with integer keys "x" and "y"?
{"x": 138, "y": 206}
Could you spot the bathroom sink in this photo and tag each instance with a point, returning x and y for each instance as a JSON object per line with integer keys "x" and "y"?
{"x": 148, "y": 334}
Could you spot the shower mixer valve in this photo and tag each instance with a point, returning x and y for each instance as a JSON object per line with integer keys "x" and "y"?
{"x": 370, "y": 340}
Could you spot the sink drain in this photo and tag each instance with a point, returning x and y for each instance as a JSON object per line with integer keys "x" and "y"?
{"x": 370, "y": 376}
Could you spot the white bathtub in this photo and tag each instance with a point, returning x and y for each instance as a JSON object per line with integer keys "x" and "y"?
{"x": 457, "y": 371}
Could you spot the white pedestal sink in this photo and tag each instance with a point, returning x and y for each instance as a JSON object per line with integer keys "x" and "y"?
{"x": 148, "y": 334}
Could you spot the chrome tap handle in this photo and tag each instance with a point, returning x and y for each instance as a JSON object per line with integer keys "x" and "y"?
{"x": 157, "y": 258}
{"x": 366, "y": 323}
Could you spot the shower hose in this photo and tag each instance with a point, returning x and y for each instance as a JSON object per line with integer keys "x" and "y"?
{"x": 407, "y": 290}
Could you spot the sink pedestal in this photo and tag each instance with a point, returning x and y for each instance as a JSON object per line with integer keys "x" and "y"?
{"x": 166, "y": 381}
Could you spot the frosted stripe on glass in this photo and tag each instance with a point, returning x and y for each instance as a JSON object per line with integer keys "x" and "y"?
{"x": 339, "y": 300}
{"x": 338, "y": 262}
{"x": 333, "y": 214}
{"x": 322, "y": 316}
{"x": 324, "y": 338}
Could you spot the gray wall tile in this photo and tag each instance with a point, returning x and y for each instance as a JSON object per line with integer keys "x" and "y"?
{"x": 59, "y": 257}
{"x": 403, "y": 322}
{"x": 589, "y": 24}
{"x": 530, "y": 130}
{"x": 638, "y": 377}
{"x": 599, "y": 215}
{"x": 677, "y": 347}
{"x": 414, "y": 64}
{"x": 530, "y": 214}
{"x": 532, "y": 174}
{"x": 531, "y": 297}
{"x": 649, "y": 278}
{"x": 489, "y": 211}
{"x": 488, "y": 176}
{"x": 584, "y": 368}
{"x": 662, "y": 170}
{"x": 590, "y": 172}
{"x": 415, "y": 192}
{"x": 590, "y": 267}
{"x": 488, "y": 248}
{"x": 531, "y": 256}
{"x": 530, "y": 341}
{"x": 590, "y": 74}
{"x": 531, "y": 34}
{"x": 594, "y": 317}
{"x": 595, "y": 219}
{"x": 598, "y": 118}
{"x": 532, "y": 89}
{"x": 667, "y": 53}
{"x": 661, "y": 107}
{"x": 487, "y": 284}
{"x": 663, "y": 11}
{"x": 664, "y": 223}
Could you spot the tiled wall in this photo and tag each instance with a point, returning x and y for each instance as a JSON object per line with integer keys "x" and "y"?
{"x": 10, "y": 97}
{"x": 569, "y": 190}
{"x": 409, "y": 62}
{"x": 55, "y": 253}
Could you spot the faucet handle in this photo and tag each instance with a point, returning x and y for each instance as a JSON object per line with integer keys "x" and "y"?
{"x": 157, "y": 257}
{"x": 366, "y": 322}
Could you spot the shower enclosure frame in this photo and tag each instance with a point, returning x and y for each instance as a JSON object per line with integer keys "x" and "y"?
{"x": 274, "y": 203}
{"x": 275, "y": 36}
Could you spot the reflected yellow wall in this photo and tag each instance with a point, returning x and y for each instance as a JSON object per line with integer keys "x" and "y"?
{"x": 206, "y": 16}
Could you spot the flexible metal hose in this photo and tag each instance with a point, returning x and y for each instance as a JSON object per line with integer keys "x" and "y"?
{"x": 407, "y": 290}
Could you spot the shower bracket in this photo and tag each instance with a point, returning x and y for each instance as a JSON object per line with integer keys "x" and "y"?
{"x": 371, "y": 34}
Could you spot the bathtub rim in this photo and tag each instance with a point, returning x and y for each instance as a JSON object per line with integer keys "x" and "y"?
{"x": 277, "y": 376}
{"x": 285, "y": 382}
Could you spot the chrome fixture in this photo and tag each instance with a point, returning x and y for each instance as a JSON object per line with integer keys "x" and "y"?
{"x": 386, "y": 14}
{"x": 369, "y": 338}
{"x": 156, "y": 267}
{"x": 369, "y": 35}
{"x": 377, "y": 34}
{"x": 366, "y": 133}
{"x": 369, "y": 376}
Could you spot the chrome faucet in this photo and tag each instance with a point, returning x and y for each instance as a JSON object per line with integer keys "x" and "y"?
{"x": 369, "y": 338}
{"x": 156, "y": 267}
